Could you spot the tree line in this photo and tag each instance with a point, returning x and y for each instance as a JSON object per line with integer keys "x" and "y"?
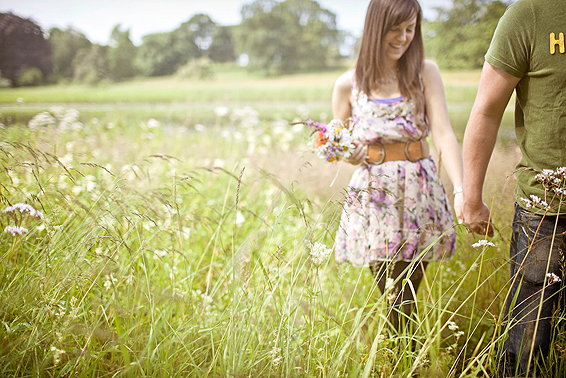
{"x": 274, "y": 37}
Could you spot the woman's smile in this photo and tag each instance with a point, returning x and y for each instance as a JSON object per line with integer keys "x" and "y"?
{"x": 398, "y": 39}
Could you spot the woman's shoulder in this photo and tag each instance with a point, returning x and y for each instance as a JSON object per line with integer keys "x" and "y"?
{"x": 430, "y": 70}
{"x": 345, "y": 81}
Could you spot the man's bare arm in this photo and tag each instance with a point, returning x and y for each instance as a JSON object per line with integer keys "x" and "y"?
{"x": 494, "y": 92}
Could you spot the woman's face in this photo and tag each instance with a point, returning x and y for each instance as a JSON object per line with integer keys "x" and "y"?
{"x": 397, "y": 40}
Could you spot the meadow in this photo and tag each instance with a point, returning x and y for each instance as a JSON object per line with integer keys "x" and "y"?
{"x": 177, "y": 238}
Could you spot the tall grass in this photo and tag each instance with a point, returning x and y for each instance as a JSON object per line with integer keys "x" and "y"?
{"x": 182, "y": 250}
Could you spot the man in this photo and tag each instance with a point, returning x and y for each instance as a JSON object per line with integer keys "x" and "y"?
{"x": 528, "y": 55}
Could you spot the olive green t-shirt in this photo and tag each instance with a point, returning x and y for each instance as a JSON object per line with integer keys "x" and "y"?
{"x": 529, "y": 43}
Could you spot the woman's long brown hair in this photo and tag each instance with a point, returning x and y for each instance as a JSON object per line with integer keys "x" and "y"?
{"x": 381, "y": 16}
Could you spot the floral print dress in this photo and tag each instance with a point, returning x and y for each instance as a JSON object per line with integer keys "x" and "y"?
{"x": 396, "y": 210}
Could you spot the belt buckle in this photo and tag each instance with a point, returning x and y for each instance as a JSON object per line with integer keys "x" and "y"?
{"x": 407, "y": 152}
{"x": 382, "y": 153}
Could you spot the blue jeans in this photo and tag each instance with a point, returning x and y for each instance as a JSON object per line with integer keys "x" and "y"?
{"x": 538, "y": 247}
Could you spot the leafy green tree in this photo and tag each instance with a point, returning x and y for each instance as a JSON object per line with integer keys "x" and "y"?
{"x": 196, "y": 35}
{"x": 158, "y": 55}
{"x": 461, "y": 34}
{"x": 222, "y": 47}
{"x": 121, "y": 54}
{"x": 64, "y": 46}
{"x": 202, "y": 37}
{"x": 287, "y": 36}
{"x": 164, "y": 53}
{"x": 91, "y": 65}
{"x": 22, "y": 46}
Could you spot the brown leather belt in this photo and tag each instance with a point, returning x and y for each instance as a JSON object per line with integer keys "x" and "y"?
{"x": 413, "y": 151}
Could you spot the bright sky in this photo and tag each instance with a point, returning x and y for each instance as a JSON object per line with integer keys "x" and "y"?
{"x": 97, "y": 18}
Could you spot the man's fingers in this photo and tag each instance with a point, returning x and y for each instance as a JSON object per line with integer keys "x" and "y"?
{"x": 481, "y": 228}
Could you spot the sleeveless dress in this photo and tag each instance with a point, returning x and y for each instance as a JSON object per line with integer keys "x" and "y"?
{"x": 396, "y": 210}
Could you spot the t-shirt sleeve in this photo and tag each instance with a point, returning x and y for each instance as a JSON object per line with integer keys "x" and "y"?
{"x": 511, "y": 45}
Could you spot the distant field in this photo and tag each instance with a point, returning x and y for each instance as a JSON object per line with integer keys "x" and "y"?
{"x": 189, "y": 102}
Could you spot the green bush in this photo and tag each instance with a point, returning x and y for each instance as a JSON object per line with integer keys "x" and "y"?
{"x": 31, "y": 77}
{"x": 196, "y": 68}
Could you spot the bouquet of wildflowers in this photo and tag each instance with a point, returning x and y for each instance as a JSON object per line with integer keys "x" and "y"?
{"x": 333, "y": 141}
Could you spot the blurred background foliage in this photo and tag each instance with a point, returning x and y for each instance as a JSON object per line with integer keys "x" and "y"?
{"x": 274, "y": 38}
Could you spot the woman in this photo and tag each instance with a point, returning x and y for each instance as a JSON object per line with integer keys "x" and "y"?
{"x": 396, "y": 216}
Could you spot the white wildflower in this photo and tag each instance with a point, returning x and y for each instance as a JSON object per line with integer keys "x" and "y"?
{"x": 57, "y": 111}
{"x": 15, "y": 230}
{"x": 240, "y": 219}
{"x": 20, "y": 100}
{"x": 67, "y": 159}
{"x": 246, "y": 117}
{"x": 159, "y": 253}
{"x": 89, "y": 183}
{"x": 553, "y": 278}
{"x": 266, "y": 139}
{"x": 528, "y": 203}
{"x": 43, "y": 119}
{"x": 545, "y": 176}
{"x": 186, "y": 233}
{"x": 110, "y": 281}
{"x": 70, "y": 120}
{"x": 221, "y": 111}
{"x": 389, "y": 284}
{"x": 453, "y": 326}
{"x": 319, "y": 253}
{"x": 219, "y": 163}
{"x": 76, "y": 190}
{"x": 552, "y": 179}
{"x": 207, "y": 299}
{"x": 483, "y": 243}
{"x": 24, "y": 208}
{"x": 276, "y": 357}
{"x": 537, "y": 201}
{"x": 57, "y": 354}
{"x": 173, "y": 272}
{"x": 152, "y": 123}
{"x": 199, "y": 127}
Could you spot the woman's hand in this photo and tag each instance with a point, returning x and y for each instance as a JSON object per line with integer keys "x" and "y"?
{"x": 359, "y": 155}
{"x": 459, "y": 207}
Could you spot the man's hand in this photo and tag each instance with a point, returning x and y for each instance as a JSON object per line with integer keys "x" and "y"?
{"x": 477, "y": 218}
